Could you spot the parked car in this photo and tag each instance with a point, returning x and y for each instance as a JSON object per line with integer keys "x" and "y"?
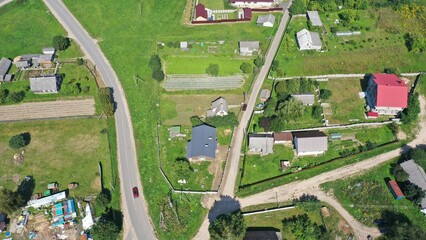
{"x": 135, "y": 192}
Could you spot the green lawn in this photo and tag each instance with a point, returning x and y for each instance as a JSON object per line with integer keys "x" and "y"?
{"x": 379, "y": 47}
{"x": 22, "y": 35}
{"x": 258, "y": 168}
{"x": 213, "y": 4}
{"x": 367, "y": 196}
{"x": 333, "y": 223}
{"x": 60, "y": 151}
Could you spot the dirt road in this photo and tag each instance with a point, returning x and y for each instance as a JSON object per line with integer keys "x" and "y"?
{"x": 311, "y": 185}
{"x": 47, "y": 110}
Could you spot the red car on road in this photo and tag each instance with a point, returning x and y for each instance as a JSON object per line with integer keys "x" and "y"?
{"x": 135, "y": 192}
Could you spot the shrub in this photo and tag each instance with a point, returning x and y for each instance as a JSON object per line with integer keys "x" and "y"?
{"x": 229, "y": 120}
{"x": 325, "y": 93}
{"x": 80, "y": 61}
{"x": 246, "y": 67}
{"x": 18, "y": 141}
{"x": 259, "y": 62}
{"x": 317, "y": 112}
{"x": 228, "y": 226}
{"x": 158, "y": 74}
{"x": 196, "y": 121}
{"x": 15, "y": 97}
{"x": 107, "y": 101}
{"x": 212, "y": 69}
{"x": 61, "y": 43}
{"x": 411, "y": 113}
{"x": 70, "y": 89}
{"x": 307, "y": 202}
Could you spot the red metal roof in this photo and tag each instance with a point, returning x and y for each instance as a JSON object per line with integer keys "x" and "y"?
{"x": 391, "y": 91}
{"x": 283, "y": 136}
{"x": 395, "y": 188}
{"x": 247, "y": 13}
{"x": 200, "y": 11}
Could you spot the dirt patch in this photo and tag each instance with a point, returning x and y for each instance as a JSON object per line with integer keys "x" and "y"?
{"x": 16, "y": 178}
{"x": 325, "y": 212}
{"x": 96, "y": 183}
{"x": 401, "y": 135}
{"x": 227, "y": 132}
{"x": 344, "y": 227}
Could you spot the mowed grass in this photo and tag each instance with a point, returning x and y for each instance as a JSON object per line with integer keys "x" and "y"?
{"x": 258, "y": 167}
{"x": 29, "y": 27}
{"x": 213, "y": 4}
{"x": 372, "y": 51}
{"x": 62, "y": 151}
{"x": 366, "y": 196}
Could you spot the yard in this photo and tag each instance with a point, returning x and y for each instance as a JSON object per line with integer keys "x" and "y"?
{"x": 380, "y": 45}
{"x": 62, "y": 151}
{"x": 368, "y": 198}
{"x": 334, "y": 223}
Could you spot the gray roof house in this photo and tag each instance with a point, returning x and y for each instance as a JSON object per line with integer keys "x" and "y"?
{"x": 308, "y": 40}
{"x": 203, "y": 144}
{"x": 4, "y": 68}
{"x": 45, "y": 84}
{"x": 48, "y": 50}
{"x": 247, "y": 48}
{"x": 22, "y": 64}
{"x": 261, "y": 143}
{"x": 265, "y": 94}
{"x": 266, "y": 20}
{"x": 416, "y": 175}
{"x": 315, "y": 18}
{"x": 305, "y": 98}
{"x": 310, "y": 142}
{"x": 219, "y": 108}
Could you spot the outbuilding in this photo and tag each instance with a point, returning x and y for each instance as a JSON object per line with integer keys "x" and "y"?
{"x": 45, "y": 84}
{"x": 266, "y": 20}
{"x": 310, "y": 142}
{"x": 248, "y": 48}
{"x": 306, "y": 98}
{"x": 308, "y": 40}
{"x": 261, "y": 143}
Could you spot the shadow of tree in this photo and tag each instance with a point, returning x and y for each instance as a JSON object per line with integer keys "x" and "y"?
{"x": 26, "y": 188}
{"x": 225, "y": 205}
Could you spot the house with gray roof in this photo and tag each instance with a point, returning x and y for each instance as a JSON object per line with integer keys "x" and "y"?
{"x": 247, "y": 48}
{"x": 310, "y": 142}
{"x": 314, "y": 18}
{"x": 266, "y": 20}
{"x": 261, "y": 143}
{"x": 45, "y": 84}
{"x": 308, "y": 40}
{"x": 219, "y": 108}
{"x": 265, "y": 94}
{"x": 203, "y": 144}
{"x": 416, "y": 175}
{"x": 306, "y": 98}
{"x": 4, "y": 68}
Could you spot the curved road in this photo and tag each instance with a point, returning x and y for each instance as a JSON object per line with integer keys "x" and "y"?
{"x": 137, "y": 224}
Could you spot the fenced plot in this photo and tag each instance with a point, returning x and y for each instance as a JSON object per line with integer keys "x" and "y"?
{"x": 202, "y": 81}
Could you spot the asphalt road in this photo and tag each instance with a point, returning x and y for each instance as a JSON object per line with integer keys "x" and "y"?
{"x": 136, "y": 220}
{"x": 231, "y": 170}
{"x": 4, "y": 2}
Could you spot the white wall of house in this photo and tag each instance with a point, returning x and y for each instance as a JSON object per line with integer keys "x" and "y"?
{"x": 253, "y": 4}
{"x": 309, "y": 153}
{"x": 387, "y": 110}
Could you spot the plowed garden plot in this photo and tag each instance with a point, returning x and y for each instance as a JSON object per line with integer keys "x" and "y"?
{"x": 202, "y": 81}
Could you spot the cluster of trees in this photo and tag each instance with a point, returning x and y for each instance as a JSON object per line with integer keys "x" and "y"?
{"x": 155, "y": 65}
{"x": 294, "y": 86}
{"x": 7, "y": 96}
{"x": 110, "y": 221}
{"x": 60, "y": 42}
{"x": 213, "y": 70}
{"x": 416, "y": 42}
{"x": 228, "y": 226}
{"x": 399, "y": 227}
{"x": 107, "y": 101}
{"x": 10, "y": 201}
{"x": 301, "y": 6}
{"x": 20, "y": 140}
{"x": 183, "y": 168}
{"x": 229, "y": 120}
{"x": 303, "y": 228}
{"x": 102, "y": 201}
{"x": 71, "y": 88}
{"x": 411, "y": 113}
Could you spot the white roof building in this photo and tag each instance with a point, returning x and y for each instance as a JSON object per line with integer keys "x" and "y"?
{"x": 219, "y": 108}
{"x": 266, "y": 20}
{"x": 247, "y": 48}
{"x": 46, "y": 201}
{"x": 308, "y": 40}
{"x": 315, "y": 18}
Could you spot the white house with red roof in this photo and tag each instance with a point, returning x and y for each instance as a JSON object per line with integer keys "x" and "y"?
{"x": 253, "y": 3}
{"x": 386, "y": 94}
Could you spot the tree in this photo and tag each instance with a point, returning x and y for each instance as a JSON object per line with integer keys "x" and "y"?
{"x": 17, "y": 141}
{"x": 303, "y": 228}
{"x": 281, "y": 88}
{"x": 307, "y": 202}
{"x": 107, "y": 101}
{"x": 158, "y": 74}
{"x": 276, "y": 123}
{"x": 370, "y": 145}
{"x": 399, "y": 173}
{"x": 183, "y": 168}
{"x": 293, "y": 86}
{"x": 246, "y": 67}
{"x": 413, "y": 193}
{"x": 212, "y": 69}
{"x": 317, "y": 112}
{"x": 105, "y": 229}
{"x": 411, "y": 113}
{"x": 10, "y": 201}
{"x": 101, "y": 203}
{"x": 325, "y": 94}
{"x": 228, "y": 227}
{"x": 297, "y": 7}
{"x": 70, "y": 89}
{"x": 403, "y": 231}
{"x": 415, "y": 42}
{"x": 80, "y": 61}
{"x": 259, "y": 62}
{"x": 61, "y": 43}
{"x": 154, "y": 62}
{"x": 292, "y": 109}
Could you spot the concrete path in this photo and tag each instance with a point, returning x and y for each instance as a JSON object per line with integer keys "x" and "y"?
{"x": 137, "y": 224}
{"x": 47, "y": 110}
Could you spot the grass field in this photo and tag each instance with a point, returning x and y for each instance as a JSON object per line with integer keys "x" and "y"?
{"x": 379, "y": 47}
{"x": 60, "y": 151}
{"x": 140, "y": 37}
{"x": 369, "y": 196}
{"x": 334, "y": 223}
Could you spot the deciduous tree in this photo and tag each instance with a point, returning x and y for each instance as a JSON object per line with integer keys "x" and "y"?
{"x": 228, "y": 227}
